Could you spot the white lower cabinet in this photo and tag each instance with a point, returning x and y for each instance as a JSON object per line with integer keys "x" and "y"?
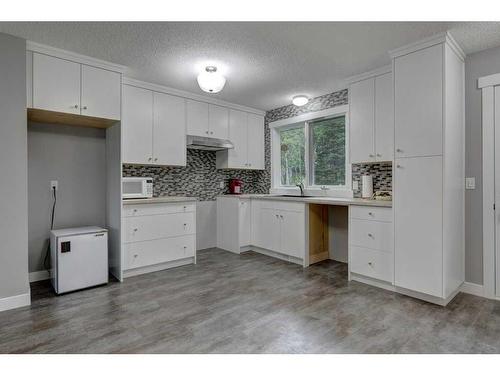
{"x": 371, "y": 242}
{"x": 234, "y": 222}
{"x": 279, "y": 227}
{"x": 158, "y": 233}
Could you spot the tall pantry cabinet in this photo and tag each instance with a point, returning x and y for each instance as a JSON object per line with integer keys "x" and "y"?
{"x": 429, "y": 168}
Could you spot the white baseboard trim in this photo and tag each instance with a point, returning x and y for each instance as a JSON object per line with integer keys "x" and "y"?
{"x": 14, "y": 302}
{"x": 471, "y": 288}
{"x": 39, "y": 275}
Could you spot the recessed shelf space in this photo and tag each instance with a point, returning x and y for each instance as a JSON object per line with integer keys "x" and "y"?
{"x": 52, "y": 117}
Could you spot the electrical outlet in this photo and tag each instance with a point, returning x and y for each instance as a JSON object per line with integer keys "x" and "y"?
{"x": 54, "y": 184}
{"x": 470, "y": 183}
{"x": 355, "y": 185}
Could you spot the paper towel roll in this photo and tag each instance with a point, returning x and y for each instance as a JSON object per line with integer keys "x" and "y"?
{"x": 366, "y": 186}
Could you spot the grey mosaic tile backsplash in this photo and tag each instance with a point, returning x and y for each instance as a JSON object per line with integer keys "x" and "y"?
{"x": 198, "y": 179}
{"x": 381, "y": 173}
{"x": 201, "y": 179}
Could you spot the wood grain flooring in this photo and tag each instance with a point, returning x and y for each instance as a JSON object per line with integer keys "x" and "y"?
{"x": 247, "y": 303}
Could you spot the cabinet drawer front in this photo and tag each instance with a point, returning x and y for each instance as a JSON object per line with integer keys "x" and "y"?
{"x": 141, "y": 254}
{"x": 371, "y": 234}
{"x": 372, "y": 213}
{"x": 372, "y": 263}
{"x": 143, "y": 228}
{"x": 156, "y": 209}
{"x": 284, "y": 206}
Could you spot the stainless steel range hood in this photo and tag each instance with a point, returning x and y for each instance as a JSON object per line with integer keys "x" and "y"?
{"x": 208, "y": 144}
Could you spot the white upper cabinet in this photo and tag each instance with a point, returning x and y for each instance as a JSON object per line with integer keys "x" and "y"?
{"x": 218, "y": 121}
{"x": 100, "y": 93}
{"x": 246, "y": 132}
{"x": 169, "y": 130}
{"x": 384, "y": 118}
{"x": 137, "y": 125}
{"x": 371, "y": 119}
{"x": 65, "y": 86}
{"x": 419, "y": 102}
{"x": 56, "y": 84}
{"x": 362, "y": 121}
{"x": 238, "y": 127}
{"x": 255, "y": 141}
{"x": 153, "y": 127}
{"x": 197, "y": 118}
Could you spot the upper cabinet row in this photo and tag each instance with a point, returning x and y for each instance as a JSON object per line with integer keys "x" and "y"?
{"x": 155, "y": 125}
{"x": 371, "y": 119}
{"x": 65, "y": 86}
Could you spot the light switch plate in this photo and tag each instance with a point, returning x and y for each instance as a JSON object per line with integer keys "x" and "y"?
{"x": 355, "y": 185}
{"x": 470, "y": 183}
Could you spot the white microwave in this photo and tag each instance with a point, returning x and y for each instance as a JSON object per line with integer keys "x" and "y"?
{"x": 137, "y": 187}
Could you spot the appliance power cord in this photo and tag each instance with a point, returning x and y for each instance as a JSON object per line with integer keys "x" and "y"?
{"x": 46, "y": 262}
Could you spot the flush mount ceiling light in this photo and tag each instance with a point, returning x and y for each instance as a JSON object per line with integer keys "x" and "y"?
{"x": 211, "y": 81}
{"x": 300, "y": 100}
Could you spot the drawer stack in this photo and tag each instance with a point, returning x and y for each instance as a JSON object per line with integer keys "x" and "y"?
{"x": 371, "y": 242}
{"x": 156, "y": 233}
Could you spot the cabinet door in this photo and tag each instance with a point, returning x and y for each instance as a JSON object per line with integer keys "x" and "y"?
{"x": 169, "y": 130}
{"x": 362, "y": 117}
{"x": 384, "y": 118}
{"x": 245, "y": 222}
{"x": 418, "y": 224}
{"x": 218, "y": 121}
{"x": 292, "y": 233}
{"x": 197, "y": 118}
{"x": 101, "y": 90}
{"x": 418, "y": 84}
{"x": 255, "y": 141}
{"x": 137, "y": 125}
{"x": 269, "y": 229}
{"x": 238, "y": 156}
{"x": 56, "y": 84}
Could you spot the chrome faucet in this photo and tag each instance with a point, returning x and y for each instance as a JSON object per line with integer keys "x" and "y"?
{"x": 301, "y": 187}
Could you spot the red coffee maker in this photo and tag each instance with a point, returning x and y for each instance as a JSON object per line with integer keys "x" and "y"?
{"x": 235, "y": 186}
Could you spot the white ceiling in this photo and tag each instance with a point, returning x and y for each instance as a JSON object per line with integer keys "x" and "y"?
{"x": 265, "y": 63}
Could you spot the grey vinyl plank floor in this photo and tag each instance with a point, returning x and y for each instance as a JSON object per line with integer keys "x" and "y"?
{"x": 247, "y": 303}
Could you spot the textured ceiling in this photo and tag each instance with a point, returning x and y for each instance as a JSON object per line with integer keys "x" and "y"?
{"x": 265, "y": 63}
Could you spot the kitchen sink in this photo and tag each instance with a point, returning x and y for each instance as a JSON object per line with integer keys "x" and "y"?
{"x": 290, "y": 195}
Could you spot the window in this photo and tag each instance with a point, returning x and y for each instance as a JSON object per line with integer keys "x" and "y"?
{"x": 312, "y": 151}
{"x": 327, "y": 150}
{"x": 293, "y": 166}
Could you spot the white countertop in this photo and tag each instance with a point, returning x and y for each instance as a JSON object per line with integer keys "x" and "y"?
{"x": 315, "y": 200}
{"x": 159, "y": 200}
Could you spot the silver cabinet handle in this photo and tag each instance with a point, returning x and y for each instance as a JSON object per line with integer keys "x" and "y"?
{"x": 84, "y": 107}
{"x": 399, "y": 150}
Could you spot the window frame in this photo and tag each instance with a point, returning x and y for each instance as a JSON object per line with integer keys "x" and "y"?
{"x": 304, "y": 121}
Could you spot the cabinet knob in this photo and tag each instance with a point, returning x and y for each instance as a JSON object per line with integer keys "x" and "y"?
{"x": 398, "y": 166}
{"x": 211, "y": 132}
{"x": 277, "y": 216}
{"x": 75, "y": 106}
{"x": 370, "y": 213}
{"x": 135, "y": 255}
{"x": 370, "y": 235}
{"x": 185, "y": 247}
{"x": 399, "y": 150}
{"x": 149, "y": 159}
{"x": 370, "y": 263}
{"x": 379, "y": 155}
{"x": 135, "y": 209}
{"x": 371, "y": 155}
{"x": 281, "y": 216}
{"x": 135, "y": 229}
{"x": 84, "y": 107}
{"x": 156, "y": 159}
{"x": 206, "y": 132}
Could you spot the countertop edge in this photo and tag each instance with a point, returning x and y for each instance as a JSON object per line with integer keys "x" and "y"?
{"x": 127, "y": 202}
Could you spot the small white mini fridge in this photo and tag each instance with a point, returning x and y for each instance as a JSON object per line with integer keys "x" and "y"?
{"x": 78, "y": 258}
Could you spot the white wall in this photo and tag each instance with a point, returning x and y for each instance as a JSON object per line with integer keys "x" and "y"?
{"x": 13, "y": 172}
{"x": 75, "y": 157}
{"x": 476, "y": 65}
